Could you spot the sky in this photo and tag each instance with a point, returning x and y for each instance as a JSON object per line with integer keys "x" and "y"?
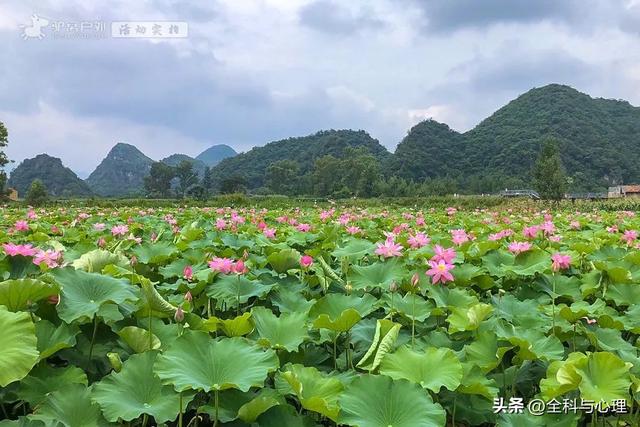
{"x": 253, "y": 71}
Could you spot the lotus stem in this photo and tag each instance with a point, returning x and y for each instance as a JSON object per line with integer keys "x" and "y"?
{"x": 335, "y": 352}
{"x": 413, "y": 321}
{"x": 215, "y": 398}
{"x": 180, "y": 414}
{"x": 145, "y": 419}
{"x": 150, "y": 333}
{"x": 238, "y": 297}
{"x": 93, "y": 336}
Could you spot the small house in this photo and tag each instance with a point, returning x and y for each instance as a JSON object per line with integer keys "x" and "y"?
{"x": 624, "y": 191}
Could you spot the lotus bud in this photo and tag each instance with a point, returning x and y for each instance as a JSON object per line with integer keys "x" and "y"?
{"x": 239, "y": 267}
{"x": 53, "y": 299}
{"x": 348, "y": 287}
{"x": 179, "y": 316}
{"x": 415, "y": 280}
{"x": 187, "y": 273}
{"x": 188, "y": 297}
{"x": 393, "y": 287}
{"x": 101, "y": 242}
{"x": 134, "y": 260}
{"x": 306, "y": 261}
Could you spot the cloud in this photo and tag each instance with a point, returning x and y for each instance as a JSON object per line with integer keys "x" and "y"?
{"x": 336, "y": 18}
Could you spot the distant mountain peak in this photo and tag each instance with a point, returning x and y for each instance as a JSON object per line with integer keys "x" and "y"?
{"x": 121, "y": 172}
{"x": 59, "y": 180}
{"x": 215, "y": 154}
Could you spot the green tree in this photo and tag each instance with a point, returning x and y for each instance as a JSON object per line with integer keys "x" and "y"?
{"x": 548, "y": 173}
{"x": 207, "y": 178}
{"x": 233, "y": 184}
{"x": 186, "y": 177}
{"x": 360, "y": 171}
{"x": 4, "y": 160}
{"x": 282, "y": 177}
{"x": 158, "y": 183}
{"x": 37, "y": 194}
{"x": 326, "y": 175}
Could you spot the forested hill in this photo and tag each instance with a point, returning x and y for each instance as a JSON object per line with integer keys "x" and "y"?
{"x": 59, "y": 180}
{"x": 599, "y": 141}
{"x": 301, "y": 151}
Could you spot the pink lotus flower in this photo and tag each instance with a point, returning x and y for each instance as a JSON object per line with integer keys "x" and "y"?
{"x": 101, "y": 242}
{"x": 389, "y": 248}
{"x": 353, "y": 230}
{"x": 530, "y": 232}
{"x": 418, "y": 240}
{"x": 50, "y": 257}
{"x": 630, "y": 236}
{"x": 548, "y": 228}
{"x": 269, "y": 233}
{"x": 560, "y": 261}
{"x": 440, "y": 271}
{"x": 99, "y": 226}
{"x": 458, "y": 237}
{"x": 222, "y": 265}
{"x": 306, "y": 261}
{"x": 612, "y": 229}
{"x": 239, "y": 267}
{"x": 555, "y": 238}
{"x": 303, "y": 228}
{"x": 32, "y": 214}
{"x": 442, "y": 254}
{"x": 415, "y": 280}
{"x": 179, "y": 315}
{"x": 221, "y": 224}
{"x": 519, "y": 247}
{"x": 575, "y": 225}
{"x": 420, "y": 221}
{"x": 12, "y": 249}
{"x": 119, "y": 230}
{"x": 21, "y": 225}
{"x": 187, "y": 273}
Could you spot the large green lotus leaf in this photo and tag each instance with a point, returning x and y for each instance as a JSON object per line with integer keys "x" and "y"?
{"x": 289, "y": 301}
{"x": 474, "y": 381}
{"x": 175, "y": 268}
{"x": 235, "y": 241}
{"x": 445, "y": 297}
{"x": 136, "y": 390}
{"x": 465, "y": 273}
{"x": 265, "y": 399}
{"x": 411, "y": 306}
{"x": 52, "y": 339}
{"x": 562, "y": 376}
{"x": 229, "y": 402}
{"x": 18, "y": 346}
{"x": 21, "y": 422}
{"x": 496, "y": 261}
{"x": 153, "y": 304}
{"x": 513, "y": 310}
{"x": 339, "y": 312}
{"x": 432, "y": 368}
{"x": 287, "y": 331}
{"x": 138, "y": 339}
{"x": 379, "y": 401}
{"x": 624, "y": 295}
{"x": 45, "y": 379}
{"x": 95, "y": 260}
{"x": 530, "y": 263}
{"x": 284, "y": 260}
{"x": 198, "y": 362}
{"x": 581, "y": 309}
{"x": 238, "y": 326}
{"x": 316, "y": 392}
{"x": 484, "y": 351}
{"x": 604, "y": 377}
{"x": 384, "y": 339}
{"x": 284, "y": 415}
{"x": 154, "y": 253}
{"x": 533, "y": 343}
{"x": 70, "y": 406}
{"x": 354, "y": 248}
{"x": 468, "y": 319}
{"x": 17, "y": 294}
{"x": 478, "y": 249}
{"x": 228, "y": 288}
{"x": 376, "y": 275}
{"x": 84, "y": 293}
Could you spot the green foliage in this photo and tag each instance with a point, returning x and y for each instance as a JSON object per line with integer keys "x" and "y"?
{"x": 37, "y": 194}
{"x": 158, "y": 183}
{"x": 4, "y": 160}
{"x": 187, "y": 177}
{"x": 215, "y": 154}
{"x": 548, "y": 173}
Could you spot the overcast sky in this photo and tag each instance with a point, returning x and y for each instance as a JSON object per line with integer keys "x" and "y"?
{"x": 254, "y": 71}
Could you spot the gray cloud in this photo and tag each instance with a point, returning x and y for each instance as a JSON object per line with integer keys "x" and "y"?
{"x": 332, "y": 17}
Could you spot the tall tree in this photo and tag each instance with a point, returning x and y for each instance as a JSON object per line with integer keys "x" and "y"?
{"x": 37, "y": 194}
{"x": 4, "y": 141}
{"x": 186, "y": 176}
{"x": 548, "y": 173}
{"x": 282, "y": 177}
{"x": 158, "y": 183}
{"x": 233, "y": 184}
{"x": 207, "y": 178}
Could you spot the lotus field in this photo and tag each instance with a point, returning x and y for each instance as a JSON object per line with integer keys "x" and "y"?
{"x": 319, "y": 317}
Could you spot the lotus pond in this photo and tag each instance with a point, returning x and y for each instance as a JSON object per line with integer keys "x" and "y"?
{"x": 319, "y": 317}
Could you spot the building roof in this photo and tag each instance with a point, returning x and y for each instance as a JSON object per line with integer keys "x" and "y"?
{"x": 631, "y": 188}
